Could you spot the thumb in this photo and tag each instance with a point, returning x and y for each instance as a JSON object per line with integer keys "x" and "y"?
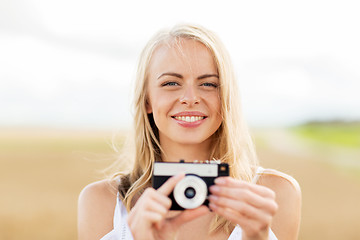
{"x": 188, "y": 215}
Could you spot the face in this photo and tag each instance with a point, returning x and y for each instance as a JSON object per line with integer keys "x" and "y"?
{"x": 183, "y": 93}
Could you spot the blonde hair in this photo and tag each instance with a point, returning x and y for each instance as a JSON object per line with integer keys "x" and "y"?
{"x": 232, "y": 143}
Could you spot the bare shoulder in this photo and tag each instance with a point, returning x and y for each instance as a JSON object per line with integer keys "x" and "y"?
{"x": 286, "y": 222}
{"x": 96, "y": 206}
{"x": 279, "y": 181}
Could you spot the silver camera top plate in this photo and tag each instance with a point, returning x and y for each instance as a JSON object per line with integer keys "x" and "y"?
{"x": 170, "y": 169}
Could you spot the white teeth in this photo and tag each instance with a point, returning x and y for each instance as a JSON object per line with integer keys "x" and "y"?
{"x": 189, "y": 118}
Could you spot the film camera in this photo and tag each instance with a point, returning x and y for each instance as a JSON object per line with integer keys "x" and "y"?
{"x": 193, "y": 190}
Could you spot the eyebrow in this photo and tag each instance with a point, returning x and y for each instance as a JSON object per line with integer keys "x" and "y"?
{"x": 170, "y": 74}
{"x": 180, "y": 76}
{"x": 207, "y": 76}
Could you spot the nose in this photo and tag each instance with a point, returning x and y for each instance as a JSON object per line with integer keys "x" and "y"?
{"x": 190, "y": 96}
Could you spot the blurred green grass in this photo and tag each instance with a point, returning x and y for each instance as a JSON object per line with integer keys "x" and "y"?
{"x": 338, "y": 141}
{"x": 340, "y": 134}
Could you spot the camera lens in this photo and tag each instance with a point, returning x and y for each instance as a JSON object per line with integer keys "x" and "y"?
{"x": 190, "y": 192}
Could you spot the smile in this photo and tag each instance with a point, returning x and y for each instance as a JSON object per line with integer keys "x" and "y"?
{"x": 189, "y": 118}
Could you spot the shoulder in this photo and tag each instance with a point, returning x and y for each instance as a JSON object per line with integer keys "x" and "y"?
{"x": 286, "y": 222}
{"x": 279, "y": 181}
{"x": 96, "y": 206}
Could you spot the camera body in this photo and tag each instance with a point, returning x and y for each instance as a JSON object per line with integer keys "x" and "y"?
{"x": 192, "y": 191}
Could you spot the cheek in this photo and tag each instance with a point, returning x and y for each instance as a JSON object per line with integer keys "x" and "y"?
{"x": 160, "y": 105}
{"x": 160, "y": 110}
{"x": 214, "y": 102}
{"x": 153, "y": 102}
{"x": 216, "y": 108}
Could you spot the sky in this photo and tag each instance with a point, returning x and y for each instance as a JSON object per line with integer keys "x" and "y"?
{"x": 71, "y": 63}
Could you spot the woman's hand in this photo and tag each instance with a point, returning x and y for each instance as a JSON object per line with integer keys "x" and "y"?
{"x": 149, "y": 217}
{"x": 250, "y": 206}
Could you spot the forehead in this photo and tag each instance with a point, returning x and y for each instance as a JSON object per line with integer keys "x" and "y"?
{"x": 182, "y": 55}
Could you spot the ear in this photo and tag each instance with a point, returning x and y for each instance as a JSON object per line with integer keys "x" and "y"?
{"x": 148, "y": 107}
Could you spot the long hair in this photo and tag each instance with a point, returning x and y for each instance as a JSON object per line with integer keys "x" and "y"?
{"x": 232, "y": 143}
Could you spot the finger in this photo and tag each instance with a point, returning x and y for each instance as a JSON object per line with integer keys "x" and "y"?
{"x": 239, "y": 218}
{"x": 239, "y": 207}
{"x": 157, "y": 207}
{"x": 239, "y": 194}
{"x": 153, "y": 217}
{"x": 231, "y": 182}
{"x": 161, "y": 199}
{"x": 169, "y": 185}
{"x": 188, "y": 215}
{"x": 144, "y": 220}
{"x": 246, "y": 195}
{"x": 251, "y": 226}
{"x": 150, "y": 194}
{"x": 227, "y": 213}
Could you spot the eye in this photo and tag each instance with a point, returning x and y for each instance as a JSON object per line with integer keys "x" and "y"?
{"x": 209, "y": 84}
{"x": 169, "y": 84}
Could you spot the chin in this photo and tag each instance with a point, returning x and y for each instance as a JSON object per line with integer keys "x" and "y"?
{"x": 192, "y": 140}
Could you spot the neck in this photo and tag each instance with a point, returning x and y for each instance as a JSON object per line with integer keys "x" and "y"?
{"x": 174, "y": 152}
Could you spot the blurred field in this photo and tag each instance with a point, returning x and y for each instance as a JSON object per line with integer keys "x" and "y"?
{"x": 42, "y": 172}
{"x": 333, "y": 133}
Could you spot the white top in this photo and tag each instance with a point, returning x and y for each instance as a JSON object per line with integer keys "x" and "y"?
{"x": 121, "y": 229}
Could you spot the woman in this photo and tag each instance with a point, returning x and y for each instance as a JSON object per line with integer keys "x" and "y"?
{"x": 186, "y": 107}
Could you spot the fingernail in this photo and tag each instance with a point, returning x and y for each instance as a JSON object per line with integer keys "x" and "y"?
{"x": 212, "y": 206}
{"x": 179, "y": 175}
{"x": 219, "y": 181}
{"x": 213, "y": 198}
{"x": 214, "y": 189}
